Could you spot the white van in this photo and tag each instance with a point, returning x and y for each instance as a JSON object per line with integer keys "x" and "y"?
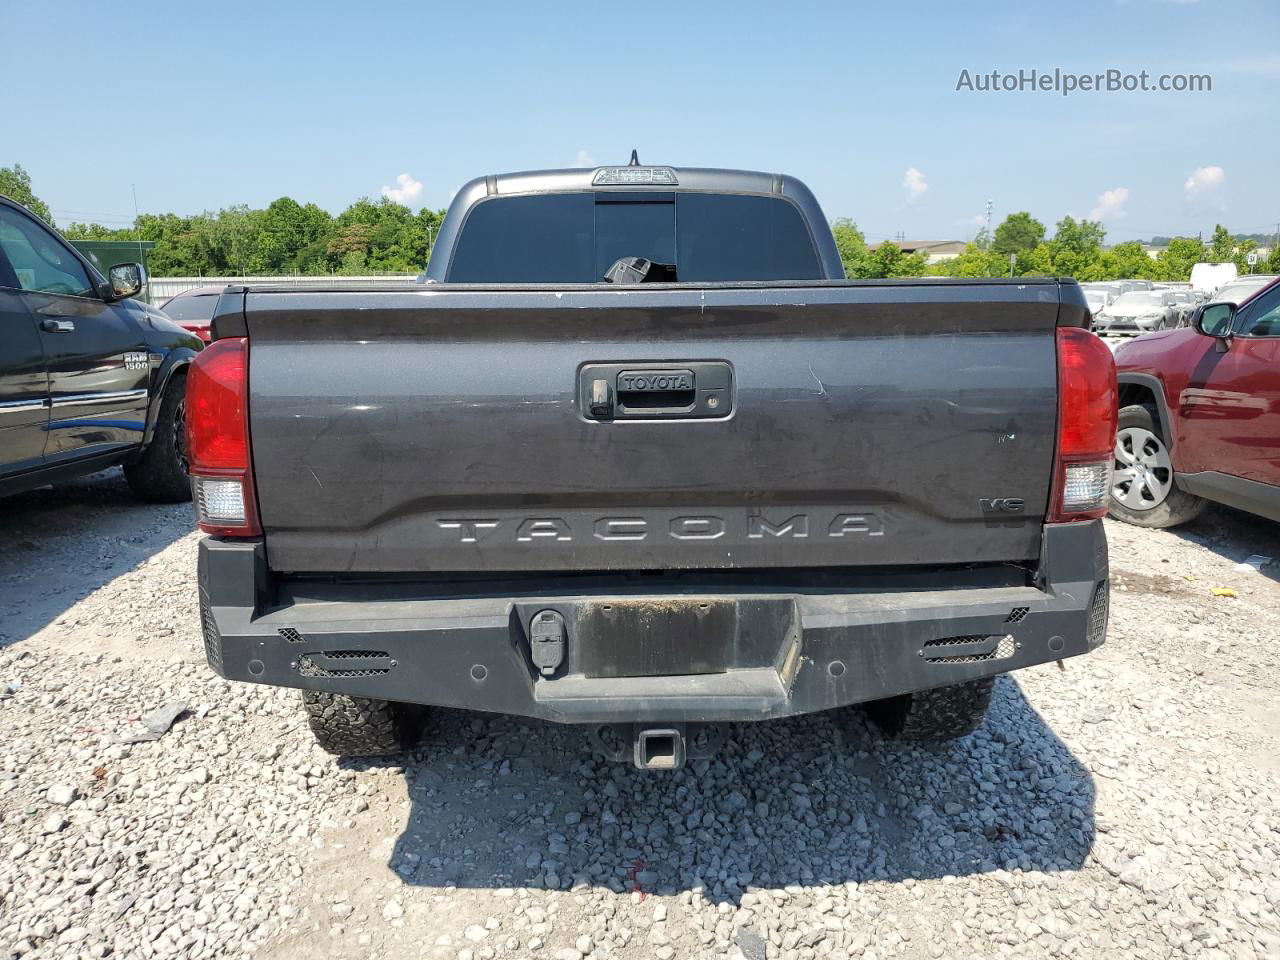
{"x": 1208, "y": 277}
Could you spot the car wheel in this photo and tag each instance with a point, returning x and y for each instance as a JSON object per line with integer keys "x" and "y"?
{"x": 1143, "y": 491}
{"x": 160, "y": 474}
{"x": 938, "y": 715}
{"x": 358, "y": 726}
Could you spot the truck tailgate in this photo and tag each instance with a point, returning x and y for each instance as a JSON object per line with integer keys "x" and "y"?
{"x": 448, "y": 429}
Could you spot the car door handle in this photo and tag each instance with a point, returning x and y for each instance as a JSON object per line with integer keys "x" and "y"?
{"x": 57, "y": 326}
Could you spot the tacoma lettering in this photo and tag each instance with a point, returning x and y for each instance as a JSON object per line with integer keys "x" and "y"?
{"x": 754, "y": 526}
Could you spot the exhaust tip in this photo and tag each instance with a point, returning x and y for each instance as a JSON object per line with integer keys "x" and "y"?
{"x": 659, "y": 748}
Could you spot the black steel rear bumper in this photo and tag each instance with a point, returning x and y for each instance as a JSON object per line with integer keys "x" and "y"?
{"x": 792, "y": 650}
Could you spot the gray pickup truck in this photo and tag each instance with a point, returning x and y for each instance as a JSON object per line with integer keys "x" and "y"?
{"x": 637, "y": 457}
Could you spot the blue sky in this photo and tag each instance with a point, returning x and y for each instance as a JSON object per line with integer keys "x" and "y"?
{"x": 325, "y": 102}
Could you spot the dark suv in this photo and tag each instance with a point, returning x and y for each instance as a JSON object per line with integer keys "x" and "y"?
{"x": 1200, "y": 415}
{"x": 89, "y": 378}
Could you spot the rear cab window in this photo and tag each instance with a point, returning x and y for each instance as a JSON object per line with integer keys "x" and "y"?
{"x": 575, "y": 237}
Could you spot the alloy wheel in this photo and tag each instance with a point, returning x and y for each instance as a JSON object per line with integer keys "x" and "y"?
{"x": 1144, "y": 473}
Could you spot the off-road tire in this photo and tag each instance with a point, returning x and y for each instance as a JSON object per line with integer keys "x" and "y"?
{"x": 1177, "y": 506}
{"x": 945, "y": 713}
{"x": 160, "y": 474}
{"x": 355, "y": 726}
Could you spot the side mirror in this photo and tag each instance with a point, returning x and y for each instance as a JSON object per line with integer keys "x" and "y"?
{"x": 1214, "y": 320}
{"x": 126, "y": 279}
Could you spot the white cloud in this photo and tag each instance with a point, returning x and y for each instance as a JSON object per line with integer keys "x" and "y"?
{"x": 915, "y": 183}
{"x": 1110, "y": 204}
{"x": 1204, "y": 178}
{"x": 584, "y": 160}
{"x": 408, "y": 190}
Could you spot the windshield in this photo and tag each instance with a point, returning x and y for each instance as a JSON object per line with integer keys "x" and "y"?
{"x": 1140, "y": 300}
{"x": 1236, "y": 292}
{"x": 1096, "y": 301}
{"x": 189, "y": 309}
{"x": 577, "y": 237}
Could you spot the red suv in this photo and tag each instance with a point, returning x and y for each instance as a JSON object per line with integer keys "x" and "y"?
{"x": 1200, "y": 415}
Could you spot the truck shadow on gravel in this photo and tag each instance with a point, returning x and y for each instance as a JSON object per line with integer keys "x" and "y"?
{"x": 1235, "y": 535}
{"x": 790, "y": 803}
{"x": 64, "y": 542}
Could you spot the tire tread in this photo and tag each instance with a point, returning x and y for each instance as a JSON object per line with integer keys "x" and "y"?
{"x": 156, "y": 475}
{"x": 353, "y": 726}
{"x": 937, "y": 715}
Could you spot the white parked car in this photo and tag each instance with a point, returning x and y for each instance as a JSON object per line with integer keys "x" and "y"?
{"x": 1141, "y": 311}
{"x": 1098, "y": 296}
{"x": 1241, "y": 287}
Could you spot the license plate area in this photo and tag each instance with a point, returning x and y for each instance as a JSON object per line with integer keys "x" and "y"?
{"x": 656, "y": 637}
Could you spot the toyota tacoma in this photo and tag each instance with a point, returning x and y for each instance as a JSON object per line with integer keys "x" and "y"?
{"x": 636, "y": 456}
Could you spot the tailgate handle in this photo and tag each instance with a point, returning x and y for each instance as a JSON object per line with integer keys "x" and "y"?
{"x": 668, "y": 391}
{"x": 656, "y": 391}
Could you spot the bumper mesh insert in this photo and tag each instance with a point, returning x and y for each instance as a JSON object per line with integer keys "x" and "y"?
{"x": 1098, "y": 612}
{"x": 209, "y": 631}
{"x": 1005, "y": 647}
{"x": 363, "y": 663}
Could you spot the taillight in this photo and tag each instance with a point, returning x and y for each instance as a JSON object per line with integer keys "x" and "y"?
{"x": 218, "y": 439}
{"x": 1086, "y": 426}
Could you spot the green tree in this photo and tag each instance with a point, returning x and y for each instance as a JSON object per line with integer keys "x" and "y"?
{"x": 15, "y": 183}
{"x": 1223, "y": 245}
{"x": 973, "y": 261}
{"x": 1241, "y": 256}
{"x": 889, "y": 260}
{"x": 1128, "y": 260}
{"x": 1019, "y": 233}
{"x": 852, "y": 246}
{"x": 1176, "y": 260}
{"x": 394, "y": 238}
{"x": 1037, "y": 262}
{"x": 1076, "y": 248}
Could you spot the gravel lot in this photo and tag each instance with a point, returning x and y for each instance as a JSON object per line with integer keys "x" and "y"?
{"x": 1125, "y": 805}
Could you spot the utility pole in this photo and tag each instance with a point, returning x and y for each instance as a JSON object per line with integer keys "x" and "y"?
{"x": 141, "y": 259}
{"x": 988, "y": 224}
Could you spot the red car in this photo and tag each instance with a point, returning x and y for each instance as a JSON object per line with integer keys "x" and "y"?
{"x": 1200, "y": 415}
{"x": 193, "y": 309}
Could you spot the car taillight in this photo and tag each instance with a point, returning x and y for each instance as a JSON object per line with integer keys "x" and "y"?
{"x": 201, "y": 330}
{"x": 1086, "y": 426}
{"x": 218, "y": 439}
